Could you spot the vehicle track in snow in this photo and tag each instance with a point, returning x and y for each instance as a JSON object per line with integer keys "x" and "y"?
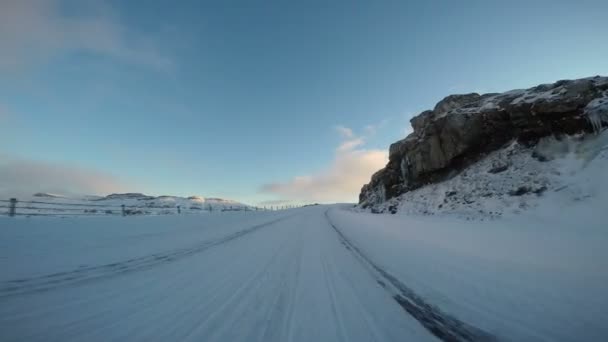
{"x": 51, "y": 281}
{"x": 440, "y": 324}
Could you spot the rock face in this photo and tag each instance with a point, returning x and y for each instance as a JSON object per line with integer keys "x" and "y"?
{"x": 461, "y": 129}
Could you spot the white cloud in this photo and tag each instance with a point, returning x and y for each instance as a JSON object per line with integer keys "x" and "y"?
{"x": 36, "y": 30}
{"x": 22, "y": 177}
{"x": 350, "y": 144}
{"x": 341, "y": 181}
{"x": 345, "y": 132}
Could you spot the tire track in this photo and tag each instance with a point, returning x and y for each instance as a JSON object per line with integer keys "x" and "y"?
{"x": 51, "y": 281}
{"x": 238, "y": 300}
{"x": 440, "y": 324}
{"x": 331, "y": 289}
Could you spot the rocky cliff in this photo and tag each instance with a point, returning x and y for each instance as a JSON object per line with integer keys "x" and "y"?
{"x": 462, "y": 129}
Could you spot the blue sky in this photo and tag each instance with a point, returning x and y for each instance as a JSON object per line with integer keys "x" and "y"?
{"x": 259, "y": 102}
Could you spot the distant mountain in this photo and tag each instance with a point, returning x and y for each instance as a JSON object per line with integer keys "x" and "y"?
{"x": 220, "y": 200}
{"x": 47, "y": 195}
{"x": 128, "y": 195}
{"x": 166, "y": 200}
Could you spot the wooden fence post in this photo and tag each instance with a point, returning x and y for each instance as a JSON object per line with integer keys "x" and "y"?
{"x": 12, "y": 208}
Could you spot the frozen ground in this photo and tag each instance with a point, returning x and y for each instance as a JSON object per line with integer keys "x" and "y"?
{"x": 324, "y": 273}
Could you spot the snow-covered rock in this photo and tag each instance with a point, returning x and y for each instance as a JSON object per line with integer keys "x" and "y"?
{"x": 514, "y": 179}
{"x": 463, "y": 129}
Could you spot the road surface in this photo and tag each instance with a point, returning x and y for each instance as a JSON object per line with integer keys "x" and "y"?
{"x": 289, "y": 276}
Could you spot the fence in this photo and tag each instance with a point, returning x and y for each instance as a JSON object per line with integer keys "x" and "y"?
{"x": 15, "y": 207}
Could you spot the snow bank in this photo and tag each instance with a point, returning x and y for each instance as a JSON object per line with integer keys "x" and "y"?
{"x": 536, "y": 277}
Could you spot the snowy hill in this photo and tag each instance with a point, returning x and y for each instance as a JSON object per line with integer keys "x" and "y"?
{"x": 47, "y": 195}
{"x": 134, "y": 203}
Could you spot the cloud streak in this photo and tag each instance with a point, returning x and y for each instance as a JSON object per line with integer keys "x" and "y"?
{"x": 22, "y": 177}
{"x": 341, "y": 181}
{"x": 36, "y": 30}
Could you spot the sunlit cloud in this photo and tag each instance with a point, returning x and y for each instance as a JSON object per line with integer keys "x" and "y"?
{"x": 23, "y": 177}
{"x": 37, "y": 30}
{"x": 340, "y": 181}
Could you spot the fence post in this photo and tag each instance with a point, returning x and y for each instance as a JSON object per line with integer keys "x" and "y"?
{"x": 124, "y": 213}
{"x": 13, "y": 207}
{"x": 179, "y": 209}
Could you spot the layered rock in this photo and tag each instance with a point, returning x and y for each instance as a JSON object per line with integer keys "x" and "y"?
{"x": 461, "y": 129}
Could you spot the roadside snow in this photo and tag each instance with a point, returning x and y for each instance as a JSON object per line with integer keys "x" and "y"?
{"x": 538, "y": 277}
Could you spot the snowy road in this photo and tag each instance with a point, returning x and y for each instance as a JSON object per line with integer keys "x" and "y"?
{"x": 287, "y": 279}
{"x": 321, "y": 273}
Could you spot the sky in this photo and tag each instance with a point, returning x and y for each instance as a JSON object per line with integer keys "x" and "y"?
{"x": 270, "y": 102}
